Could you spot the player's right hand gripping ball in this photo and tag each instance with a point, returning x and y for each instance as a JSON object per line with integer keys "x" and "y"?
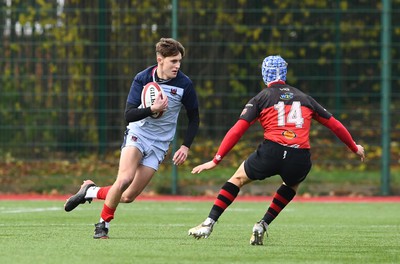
{"x": 149, "y": 94}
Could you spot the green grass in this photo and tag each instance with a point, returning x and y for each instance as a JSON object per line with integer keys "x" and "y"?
{"x": 156, "y": 232}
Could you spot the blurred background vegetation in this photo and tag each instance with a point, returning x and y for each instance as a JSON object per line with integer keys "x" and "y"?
{"x": 67, "y": 66}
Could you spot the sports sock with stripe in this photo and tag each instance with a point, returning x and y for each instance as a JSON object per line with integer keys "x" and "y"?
{"x": 107, "y": 214}
{"x": 102, "y": 192}
{"x": 282, "y": 197}
{"x": 226, "y": 196}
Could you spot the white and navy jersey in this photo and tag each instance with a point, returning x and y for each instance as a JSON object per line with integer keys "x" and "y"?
{"x": 180, "y": 91}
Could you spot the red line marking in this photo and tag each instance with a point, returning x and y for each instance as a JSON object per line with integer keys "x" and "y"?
{"x": 180, "y": 198}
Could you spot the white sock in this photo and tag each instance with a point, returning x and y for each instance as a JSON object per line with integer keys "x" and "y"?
{"x": 92, "y": 192}
{"x": 107, "y": 223}
{"x": 209, "y": 221}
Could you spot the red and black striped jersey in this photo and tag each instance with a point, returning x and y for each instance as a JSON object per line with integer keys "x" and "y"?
{"x": 285, "y": 113}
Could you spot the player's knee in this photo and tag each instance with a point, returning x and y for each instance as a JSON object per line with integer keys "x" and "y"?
{"x": 239, "y": 181}
{"x": 127, "y": 199}
{"x": 123, "y": 184}
{"x": 240, "y": 177}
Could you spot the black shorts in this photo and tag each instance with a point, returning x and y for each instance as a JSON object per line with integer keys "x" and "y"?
{"x": 271, "y": 159}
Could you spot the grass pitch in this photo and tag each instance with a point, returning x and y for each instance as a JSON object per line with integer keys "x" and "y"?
{"x": 156, "y": 232}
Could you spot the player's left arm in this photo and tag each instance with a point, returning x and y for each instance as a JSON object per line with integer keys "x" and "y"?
{"x": 191, "y": 131}
{"x": 191, "y": 104}
{"x": 327, "y": 119}
{"x": 343, "y": 134}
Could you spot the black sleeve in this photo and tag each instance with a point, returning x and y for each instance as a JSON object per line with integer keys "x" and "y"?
{"x": 193, "y": 126}
{"x": 133, "y": 113}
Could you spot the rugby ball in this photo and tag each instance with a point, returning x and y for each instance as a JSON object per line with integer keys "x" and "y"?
{"x": 149, "y": 94}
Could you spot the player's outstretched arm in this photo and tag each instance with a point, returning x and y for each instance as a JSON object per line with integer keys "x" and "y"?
{"x": 229, "y": 141}
{"x": 344, "y": 135}
{"x": 205, "y": 166}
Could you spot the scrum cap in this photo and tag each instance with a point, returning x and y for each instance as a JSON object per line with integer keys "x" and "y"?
{"x": 274, "y": 68}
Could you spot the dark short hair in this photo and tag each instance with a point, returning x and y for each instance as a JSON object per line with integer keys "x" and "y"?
{"x": 168, "y": 47}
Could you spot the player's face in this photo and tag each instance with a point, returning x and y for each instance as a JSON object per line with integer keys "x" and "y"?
{"x": 168, "y": 67}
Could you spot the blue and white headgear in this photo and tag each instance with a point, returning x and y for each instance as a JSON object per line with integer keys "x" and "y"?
{"x": 274, "y": 68}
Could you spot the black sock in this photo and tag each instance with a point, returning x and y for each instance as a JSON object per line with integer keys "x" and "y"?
{"x": 226, "y": 196}
{"x": 282, "y": 197}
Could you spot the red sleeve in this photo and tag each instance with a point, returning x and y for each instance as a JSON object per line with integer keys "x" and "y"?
{"x": 231, "y": 138}
{"x": 341, "y": 132}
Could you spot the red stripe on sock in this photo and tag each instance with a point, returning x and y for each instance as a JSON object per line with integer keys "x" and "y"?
{"x": 276, "y": 208}
{"x": 221, "y": 204}
{"x": 227, "y": 195}
{"x": 281, "y": 198}
{"x": 107, "y": 214}
{"x": 102, "y": 193}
